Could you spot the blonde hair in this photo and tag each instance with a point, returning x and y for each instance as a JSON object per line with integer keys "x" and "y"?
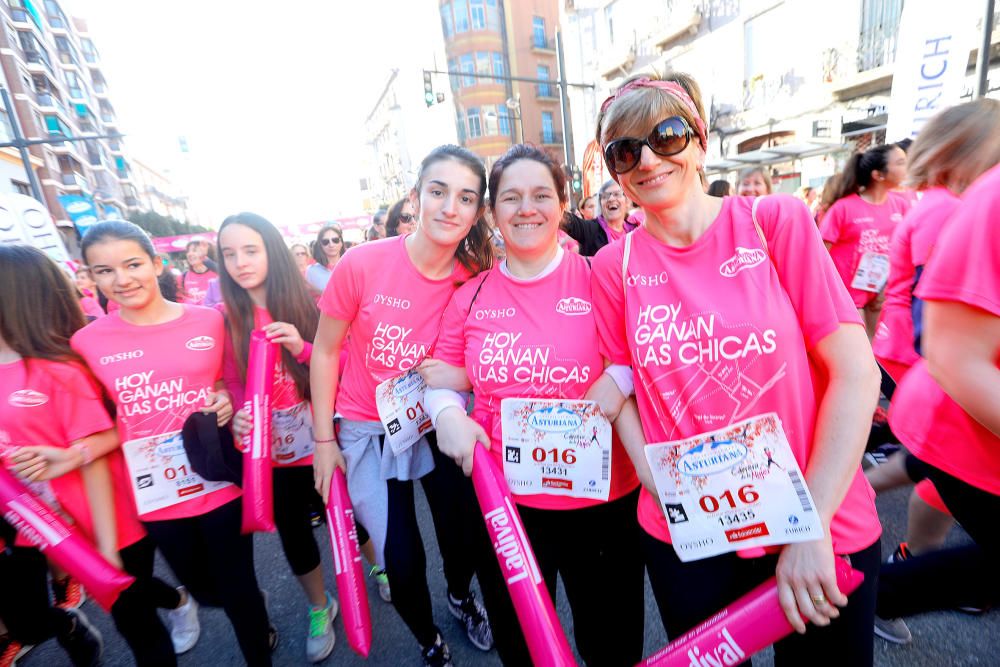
{"x": 635, "y": 113}
{"x": 956, "y": 146}
{"x": 750, "y": 171}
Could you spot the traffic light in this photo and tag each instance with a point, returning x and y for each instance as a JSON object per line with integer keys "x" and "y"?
{"x": 429, "y": 97}
{"x": 577, "y": 180}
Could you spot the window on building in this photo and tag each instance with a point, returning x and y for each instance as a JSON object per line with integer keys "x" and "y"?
{"x": 461, "y": 16}
{"x": 492, "y": 15}
{"x": 544, "y": 89}
{"x": 879, "y": 31}
{"x": 483, "y": 65}
{"x": 468, "y": 65}
{"x": 20, "y": 188}
{"x": 548, "y": 128}
{"x": 475, "y": 124}
{"x": 490, "y": 120}
{"x": 447, "y": 25}
{"x": 477, "y": 11}
{"x": 453, "y": 79}
{"x": 538, "y": 31}
{"x": 460, "y": 127}
{"x": 6, "y": 132}
{"x": 503, "y": 120}
{"x": 498, "y": 68}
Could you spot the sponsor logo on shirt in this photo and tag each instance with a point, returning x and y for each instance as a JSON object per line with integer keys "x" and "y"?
{"x": 121, "y": 356}
{"x": 745, "y": 258}
{"x": 391, "y": 301}
{"x": 495, "y": 313}
{"x": 649, "y": 280}
{"x": 199, "y": 343}
{"x": 27, "y": 398}
{"x": 572, "y": 305}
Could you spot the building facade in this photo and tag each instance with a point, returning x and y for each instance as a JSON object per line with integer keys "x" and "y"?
{"x": 58, "y": 89}
{"x": 486, "y": 41}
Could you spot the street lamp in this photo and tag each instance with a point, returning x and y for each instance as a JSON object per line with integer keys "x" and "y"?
{"x": 514, "y": 104}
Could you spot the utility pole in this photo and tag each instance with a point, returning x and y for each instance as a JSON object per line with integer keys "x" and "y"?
{"x": 983, "y": 61}
{"x": 21, "y": 144}
{"x": 564, "y": 105}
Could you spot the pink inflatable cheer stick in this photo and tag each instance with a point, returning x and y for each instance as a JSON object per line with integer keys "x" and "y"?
{"x": 542, "y": 632}
{"x": 37, "y": 523}
{"x": 347, "y": 565}
{"x": 751, "y": 623}
{"x": 258, "y": 493}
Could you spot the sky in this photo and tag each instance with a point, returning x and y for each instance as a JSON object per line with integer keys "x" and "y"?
{"x": 270, "y": 97}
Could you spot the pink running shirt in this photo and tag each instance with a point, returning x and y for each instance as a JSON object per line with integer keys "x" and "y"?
{"x": 157, "y": 376}
{"x": 910, "y": 247}
{"x": 533, "y": 339}
{"x": 194, "y": 286}
{"x": 965, "y": 268}
{"x": 718, "y": 332}
{"x": 51, "y": 403}
{"x": 855, "y": 227}
{"x": 395, "y": 315}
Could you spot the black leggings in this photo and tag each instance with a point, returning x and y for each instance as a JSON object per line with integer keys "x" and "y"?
{"x": 596, "y": 552}
{"x": 215, "y": 562}
{"x": 135, "y": 610}
{"x": 688, "y": 593}
{"x": 294, "y": 495}
{"x": 24, "y": 604}
{"x": 963, "y": 576}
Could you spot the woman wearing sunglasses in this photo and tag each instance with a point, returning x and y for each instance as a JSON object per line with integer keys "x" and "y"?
{"x": 611, "y": 225}
{"x": 327, "y": 251}
{"x": 734, "y": 315}
{"x": 400, "y": 221}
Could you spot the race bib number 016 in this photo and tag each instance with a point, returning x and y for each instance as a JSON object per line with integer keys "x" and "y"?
{"x": 292, "y": 434}
{"x": 556, "y": 447}
{"x": 160, "y": 473}
{"x": 400, "y": 404}
{"x": 735, "y": 488}
{"x": 872, "y": 273}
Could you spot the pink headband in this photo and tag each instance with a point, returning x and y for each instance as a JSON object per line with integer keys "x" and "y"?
{"x": 671, "y": 87}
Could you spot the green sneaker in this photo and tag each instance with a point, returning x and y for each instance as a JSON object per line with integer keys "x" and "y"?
{"x": 382, "y": 579}
{"x": 320, "y": 640}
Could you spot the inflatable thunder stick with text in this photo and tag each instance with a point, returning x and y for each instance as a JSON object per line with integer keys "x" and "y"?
{"x": 347, "y": 566}
{"x": 258, "y": 492}
{"x": 38, "y": 524}
{"x": 542, "y": 632}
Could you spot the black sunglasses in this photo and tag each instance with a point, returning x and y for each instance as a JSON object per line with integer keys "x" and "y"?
{"x": 406, "y": 218}
{"x": 330, "y": 239}
{"x": 669, "y": 137}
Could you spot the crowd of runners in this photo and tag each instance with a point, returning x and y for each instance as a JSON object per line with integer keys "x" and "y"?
{"x": 731, "y": 357}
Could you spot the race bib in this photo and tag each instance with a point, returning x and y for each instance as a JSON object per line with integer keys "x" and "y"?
{"x": 292, "y": 434}
{"x": 160, "y": 473}
{"x": 400, "y": 403}
{"x": 735, "y": 488}
{"x": 556, "y": 447}
{"x": 872, "y": 273}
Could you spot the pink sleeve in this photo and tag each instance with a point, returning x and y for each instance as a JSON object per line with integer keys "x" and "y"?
{"x": 965, "y": 264}
{"x": 342, "y": 296}
{"x": 231, "y": 373}
{"x": 829, "y": 227}
{"x": 805, "y": 268}
{"x": 80, "y": 408}
{"x": 609, "y": 304}
{"x": 450, "y": 346}
{"x": 306, "y": 354}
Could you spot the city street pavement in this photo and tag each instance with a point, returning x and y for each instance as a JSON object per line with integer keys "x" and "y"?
{"x": 944, "y": 638}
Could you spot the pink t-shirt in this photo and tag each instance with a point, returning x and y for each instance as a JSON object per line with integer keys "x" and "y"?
{"x": 194, "y": 286}
{"x": 157, "y": 376}
{"x": 284, "y": 393}
{"x": 965, "y": 268}
{"x": 910, "y": 247}
{"x": 91, "y": 307}
{"x": 855, "y": 227}
{"x": 52, "y": 403}
{"x": 394, "y": 311}
{"x": 717, "y": 332}
{"x": 533, "y": 339}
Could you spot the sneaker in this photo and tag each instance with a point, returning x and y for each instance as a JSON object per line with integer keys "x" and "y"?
{"x": 185, "y": 629}
{"x": 320, "y": 640}
{"x": 272, "y": 631}
{"x": 473, "y": 617}
{"x": 68, "y": 593}
{"x": 893, "y": 630}
{"x": 901, "y": 553}
{"x": 315, "y": 518}
{"x": 437, "y": 654}
{"x": 382, "y": 580}
{"x": 83, "y": 643}
{"x": 11, "y": 650}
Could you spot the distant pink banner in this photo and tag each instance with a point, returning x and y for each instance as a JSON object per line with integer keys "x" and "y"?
{"x": 178, "y": 243}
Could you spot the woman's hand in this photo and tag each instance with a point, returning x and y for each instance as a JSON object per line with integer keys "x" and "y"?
{"x": 40, "y": 463}
{"x": 807, "y": 583}
{"x": 326, "y": 457}
{"x": 287, "y": 335}
{"x": 457, "y": 435}
{"x": 242, "y": 425}
{"x": 218, "y": 402}
{"x": 442, "y": 375}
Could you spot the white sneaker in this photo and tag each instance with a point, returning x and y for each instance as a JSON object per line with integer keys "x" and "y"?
{"x": 320, "y": 638}
{"x": 185, "y": 629}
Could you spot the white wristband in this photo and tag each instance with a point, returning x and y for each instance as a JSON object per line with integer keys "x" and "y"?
{"x": 439, "y": 399}
{"x": 623, "y": 377}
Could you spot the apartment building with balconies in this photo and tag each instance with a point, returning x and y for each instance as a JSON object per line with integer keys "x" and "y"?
{"x": 58, "y": 89}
